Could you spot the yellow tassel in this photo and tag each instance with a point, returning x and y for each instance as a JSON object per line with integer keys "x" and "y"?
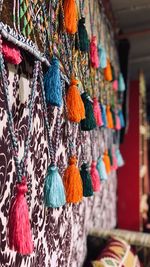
{"x": 73, "y": 182}
{"x": 70, "y": 16}
{"x": 75, "y": 106}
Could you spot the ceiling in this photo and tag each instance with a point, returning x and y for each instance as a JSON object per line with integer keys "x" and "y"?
{"x": 133, "y": 18}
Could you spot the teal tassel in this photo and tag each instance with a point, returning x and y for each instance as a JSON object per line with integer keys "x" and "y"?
{"x": 89, "y": 123}
{"x": 83, "y": 36}
{"x": 121, "y": 117}
{"x": 86, "y": 179}
{"x": 110, "y": 156}
{"x": 103, "y": 111}
{"x": 113, "y": 72}
{"x": 120, "y": 161}
{"x": 102, "y": 56}
{"x": 121, "y": 83}
{"x": 54, "y": 194}
{"x": 52, "y": 84}
{"x": 102, "y": 169}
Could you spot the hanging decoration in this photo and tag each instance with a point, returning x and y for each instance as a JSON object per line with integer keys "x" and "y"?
{"x": 89, "y": 123}
{"x": 52, "y": 84}
{"x": 83, "y": 36}
{"x": 70, "y": 16}
{"x": 19, "y": 232}
{"x": 11, "y": 53}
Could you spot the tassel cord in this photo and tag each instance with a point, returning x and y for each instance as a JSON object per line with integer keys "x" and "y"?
{"x": 20, "y": 166}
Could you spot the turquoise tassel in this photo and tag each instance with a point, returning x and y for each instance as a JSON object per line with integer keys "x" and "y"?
{"x": 120, "y": 161}
{"x": 102, "y": 56}
{"x": 102, "y": 169}
{"x": 103, "y": 112}
{"x": 52, "y": 84}
{"x": 121, "y": 83}
{"x": 121, "y": 117}
{"x": 54, "y": 194}
{"x": 86, "y": 180}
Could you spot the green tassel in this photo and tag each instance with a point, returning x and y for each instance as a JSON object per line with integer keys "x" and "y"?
{"x": 89, "y": 123}
{"x": 110, "y": 156}
{"x": 54, "y": 193}
{"x": 86, "y": 179}
{"x": 83, "y": 36}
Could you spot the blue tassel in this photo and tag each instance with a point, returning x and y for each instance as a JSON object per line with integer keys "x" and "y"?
{"x": 120, "y": 161}
{"x": 52, "y": 84}
{"x": 101, "y": 169}
{"x": 121, "y": 83}
{"x": 54, "y": 193}
{"x": 102, "y": 56}
{"x": 103, "y": 112}
{"x": 121, "y": 117}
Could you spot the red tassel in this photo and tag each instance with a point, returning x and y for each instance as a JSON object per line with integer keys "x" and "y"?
{"x": 97, "y": 112}
{"x": 94, "y": 53}
{"x": 95, "y": 177}
{"x": 19, "y": 225}
{"x": 11, "y": 53}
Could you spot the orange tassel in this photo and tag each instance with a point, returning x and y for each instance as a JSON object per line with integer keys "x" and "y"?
{"x": 70, "y": 16}
{"x": 106, "y": 160}
{"x": 108, "y": 72}
{"x": 73, "y": 182}
{"x": 110, "y": 123}
{"x": 75, "y": 106}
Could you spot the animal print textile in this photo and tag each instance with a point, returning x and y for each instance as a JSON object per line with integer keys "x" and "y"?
{"x": 59, "y": 234}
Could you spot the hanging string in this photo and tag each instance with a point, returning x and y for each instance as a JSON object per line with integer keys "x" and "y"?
{"x": 20, "y": 165}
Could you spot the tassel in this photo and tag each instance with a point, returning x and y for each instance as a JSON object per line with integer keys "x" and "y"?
{"x": 115, "y": 165}
{"x": 97, "y": 112}
{"x": 115, "y": 85}
{"x": 121, "y": 82}
{"x": 70, "y": 16}
{"x": 102, "y": 57}
{"x": 110, "y": 156}
{"x": 86, "y": 180}
{"x": 95, "y": 177}
{"x": 102, "y": 169}
{"x": 103, "y": 112}
{"x": 118, "y": 124}
{"x": 121, "y": 117}
{"x": 120, "y": 161}
{"x": 94, "y": 53}
{"x": 73, "y": 182}
{"x": 89, "y": 122}
{"x": 108, "y": 72}
{"x": 113, "y": 72}
{"x": 75, "y": 106}
{"x": 83, "y": 36}
{"x": 20, "y": 238}
{"x": 11, "y": 53}
{"x": 54, "y": 194}
{"x": 106, "y": 160}
{"x": 52, "y": 84}
{"x": 109, "y": 117}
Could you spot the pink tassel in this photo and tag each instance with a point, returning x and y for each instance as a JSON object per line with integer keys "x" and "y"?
{"x": 19, "y": 225}
{"x": 94, "y": 53}
{"x": 115, "y": 85}
{"x": 97, "y": 112}
{"x": 118, "y": 124}
{"x": 11, "y": 53}
{"x": 95, "y": 177}
{"x": 115, "y": 165}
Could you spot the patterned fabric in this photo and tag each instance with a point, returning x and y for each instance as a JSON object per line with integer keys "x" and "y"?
{"x": 59, "y": 234}
{"x": 117, "y": 253}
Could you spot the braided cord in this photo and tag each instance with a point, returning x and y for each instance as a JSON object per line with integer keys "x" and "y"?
{"x": 20, "y": 166}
